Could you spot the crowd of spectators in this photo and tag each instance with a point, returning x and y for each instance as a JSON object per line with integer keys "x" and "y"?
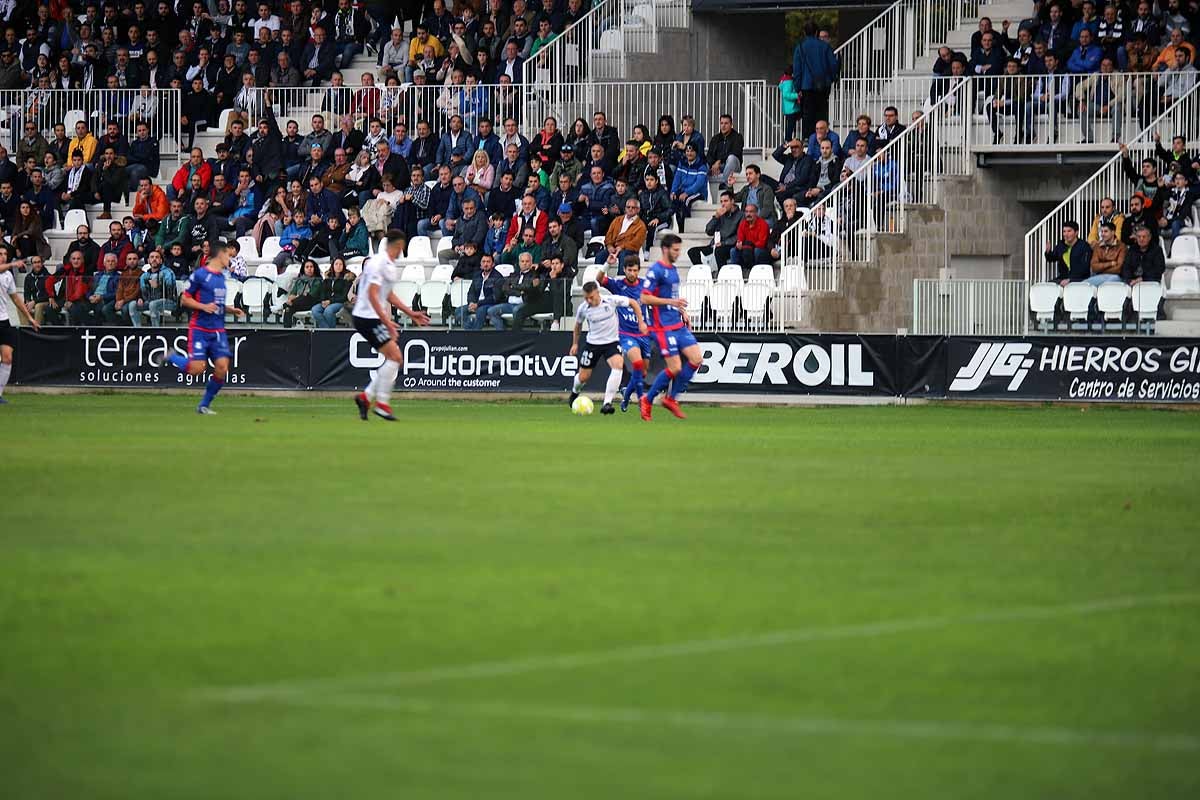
{"x": 1130, "y": 246}
{"x": 1079, "y": 58}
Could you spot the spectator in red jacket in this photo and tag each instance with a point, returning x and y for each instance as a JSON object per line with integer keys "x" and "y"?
{"x": 118, "y": 244}
{"x": 195, "y": 165}
{"x": 752, "y": 236}
{"x": 530, "y": 216}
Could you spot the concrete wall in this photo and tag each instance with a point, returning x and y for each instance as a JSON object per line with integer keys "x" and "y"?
{"x": 877, "y": 297}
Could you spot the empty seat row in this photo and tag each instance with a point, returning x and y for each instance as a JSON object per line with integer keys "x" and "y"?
{"x": 1110, "y": 300}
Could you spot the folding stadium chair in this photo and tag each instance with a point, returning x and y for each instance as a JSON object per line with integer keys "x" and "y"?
{"x": 1077, "y": 302}
{"x": 1146, "y": 297}
{"x": 1185, "y": 282}
{"x": 1185, "y": 251}
{"x": 1110, "y": 302}
{"x": 433, "y": 294}
{"x": 1043, "y": 300}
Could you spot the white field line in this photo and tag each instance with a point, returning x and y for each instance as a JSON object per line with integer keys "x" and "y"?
{"x": 743, "y": 723}
{"x": 642, "y": 653}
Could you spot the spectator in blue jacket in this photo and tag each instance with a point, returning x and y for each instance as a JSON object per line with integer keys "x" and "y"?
{"x": 439, "y": 203}
{"x": 1087, "y": 22}
{"x": 814, "y": 69}
{"x": 862, "y": 130}
{"x": 459, "y": 194}
{"x": 689, "y": 185}
{"x": 483, "y": 294}
{"x": 455, "y": 147}
{"x": 1085, "y": 59}
{"x": 595, "y": 195}
{"x": 487, "y": 141}
{"x": 820, "y": 134}
{"x": 102, "y": 301}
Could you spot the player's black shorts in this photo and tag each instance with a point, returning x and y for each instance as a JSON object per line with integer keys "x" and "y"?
{"x": 8, "y": 334}
{"x": 373, "y": 330}
{"x": 596, "y": 354}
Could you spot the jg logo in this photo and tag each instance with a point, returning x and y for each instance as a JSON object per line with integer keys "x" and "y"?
{"x": 998, "y": 359}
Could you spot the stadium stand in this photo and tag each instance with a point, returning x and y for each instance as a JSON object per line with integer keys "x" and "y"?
{"x": 303, "y": 131}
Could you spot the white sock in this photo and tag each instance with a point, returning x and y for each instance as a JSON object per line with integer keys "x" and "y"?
{"x": 370, "y": 390}
{"x": 613, "y": 385}
{"x": 577, "y": 386}
{"x": 385, "y": 378}
{"x": 5, "y": 371}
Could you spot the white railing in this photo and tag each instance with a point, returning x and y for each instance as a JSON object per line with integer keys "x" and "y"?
{"x": 900, "y": 38}
{"x": 752, "y": 306}
{"x": 45, "y": 107}
{"x": 841, "y": 226}
{"x": 1181, "y": 119}
{"x": 853, "y": 97}
{"x": 755, "y": 111}
{"x": 969, "y": 307}
{"x": 1036, "y": 111}
{"x": 753, "y": 107}
{"x": 597, "y": 47}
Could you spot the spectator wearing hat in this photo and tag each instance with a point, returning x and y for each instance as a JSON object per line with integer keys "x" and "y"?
{"x": 568, "y": 165}
{"x": 1142, "y": 214}
{"x": 571, "y": 225}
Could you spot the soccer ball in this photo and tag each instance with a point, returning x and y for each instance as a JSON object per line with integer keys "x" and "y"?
{"x": 583, "y": 406}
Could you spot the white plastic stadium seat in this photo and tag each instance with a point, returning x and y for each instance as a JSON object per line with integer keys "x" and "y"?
{"x": 723, "y": 295}
{"x": 442, "y": 272}
{"x": 413, "y": 272}
{"x": 730, "y": 272}
{"x": 1110, "y": 300}
{"x": 420, "y": 250}
{"x": 1146, "y": 296}
{"x": 223, "y": 120}
{"x": 270, "y": 249}
{"x": 791, "y": 278}
{"x": 1185, "y": 282}
{"x": 265, "y": 270}
{"x": 433, "y": 292}
{"x": 1043, "y": 297}
{"x": 1185, "y": 250}
{"x": 75, "y": 217}
{"x": 611, "y": 41}
{"x": 505, "y": 269}
{"x": 589, "y": 273}
{"x": 445, "y": 243}
{"x": 254, "y": 292}
{"x": 695, "y": 293}
{"x": 762, "y": 273}
{"x": 406, "y": 291}
{"x": 699, "y": 273}
{"x": 1077, "y": 298}
{"x": 458, "y": 295}
{"x": 249, "y": 247}
{"x": 73, "y": 116}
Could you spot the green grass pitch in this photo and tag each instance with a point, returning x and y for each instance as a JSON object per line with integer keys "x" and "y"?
{"x": 502, "y": 600}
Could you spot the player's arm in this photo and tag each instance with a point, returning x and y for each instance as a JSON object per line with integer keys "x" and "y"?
{"x": 19, "y": 302}
{"x": 419, "y": 317}
{"x": 637, "y": 312}
{"x": 187, "y": 300}
{"x": 648, "y": 299}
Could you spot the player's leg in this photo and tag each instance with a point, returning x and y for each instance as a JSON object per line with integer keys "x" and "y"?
{"x": 6, "y": 362}
{"x": 581, "y": 379}
{"x": 385, "y": 380}
{"x": 693, "y": 358}
{"x": 218, "y": 349}
{"x": 617, "y": 365}
{"x": 637, "y": 374}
